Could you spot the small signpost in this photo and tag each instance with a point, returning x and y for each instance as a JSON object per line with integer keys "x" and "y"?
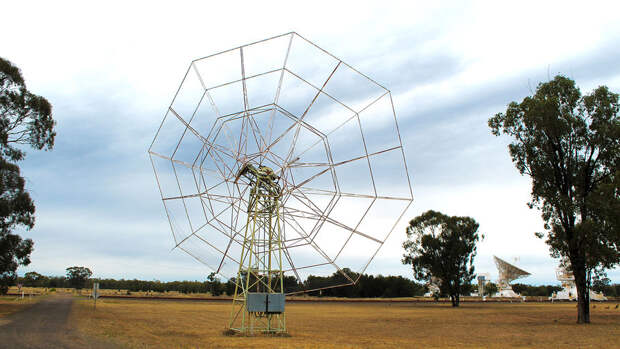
{"x": 95, "y": 293}
{"x": 19, "y": 291}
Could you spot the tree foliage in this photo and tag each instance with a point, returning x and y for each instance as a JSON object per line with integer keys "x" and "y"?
{"x": 442, "y": 247}
{"x": 490, "y": 289}
{"x": 367, "y": 286}
{"x": 78, "y": 276}
{"x": 569, "y": 145}
{"x": 25, "y": 120}
{"x": 34, "y": 279}
{"x": 16, "y": 209}
{"x": 13, "y": 252}
{"x": 540, "y": 291}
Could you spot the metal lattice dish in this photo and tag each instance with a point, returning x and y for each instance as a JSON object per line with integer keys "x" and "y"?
{"x": 318, "y": 134}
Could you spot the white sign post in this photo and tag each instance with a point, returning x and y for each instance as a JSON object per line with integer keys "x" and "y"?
{"x": 19, "y": 291}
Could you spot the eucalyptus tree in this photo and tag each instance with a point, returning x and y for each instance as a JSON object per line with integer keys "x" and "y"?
{"x": 569, "y": 145}
{"x": 78, "y": 276}
{"x": 25, "y": 121}
{"x": 443, "y": 248}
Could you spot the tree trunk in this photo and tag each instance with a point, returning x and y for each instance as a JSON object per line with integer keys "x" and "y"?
{"x": 583, "y": 299}
{"x": 455, "y": 300}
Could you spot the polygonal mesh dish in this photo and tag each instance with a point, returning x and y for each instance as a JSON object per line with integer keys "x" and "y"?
{"x": 327, "y": 130}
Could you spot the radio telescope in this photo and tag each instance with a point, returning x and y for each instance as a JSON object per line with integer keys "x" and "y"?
{"x": 567, "y": 280}
{"x": 569, "y": 288}
{"x": 507, "y": 274}
{"x": 277, "y": 161}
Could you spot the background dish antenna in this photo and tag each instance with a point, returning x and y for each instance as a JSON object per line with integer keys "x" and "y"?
{"x": 569, "y": 288}
{"x": 507, "y": 273}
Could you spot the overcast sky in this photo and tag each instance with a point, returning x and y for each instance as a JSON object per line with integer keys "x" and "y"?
{"x": 110, "y": 71}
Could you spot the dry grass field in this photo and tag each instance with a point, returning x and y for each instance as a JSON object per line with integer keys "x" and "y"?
{"x": 183, "y": 324}
{"x": 11, "y": 304}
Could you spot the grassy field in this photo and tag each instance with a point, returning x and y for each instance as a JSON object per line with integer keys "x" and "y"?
{"x": 182, "y": 324}
{"x": 11, "y": 304}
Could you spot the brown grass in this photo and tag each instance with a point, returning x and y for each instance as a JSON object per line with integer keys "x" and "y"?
{"x": 12, "y": 304}
{"x": 178, "y": 324}
{"x": 44, "y": 290}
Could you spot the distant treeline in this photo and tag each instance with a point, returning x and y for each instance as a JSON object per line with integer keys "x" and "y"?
{"x": 529, "y": 290}
{"x": 612, "y": 290}
{"x": 367, "y": 286}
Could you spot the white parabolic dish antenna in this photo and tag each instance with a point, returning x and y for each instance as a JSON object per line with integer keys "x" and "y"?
{"x": 508, "y": 273}
{"x": 321, "y": 136}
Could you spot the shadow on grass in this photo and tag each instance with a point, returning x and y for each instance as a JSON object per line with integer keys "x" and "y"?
{"x": 232, "y": 333}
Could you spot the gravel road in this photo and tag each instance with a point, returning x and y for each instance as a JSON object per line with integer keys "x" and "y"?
{"x": 44, "y": 325}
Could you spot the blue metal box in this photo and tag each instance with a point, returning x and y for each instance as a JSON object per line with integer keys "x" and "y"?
{"x": 271, "y": 303}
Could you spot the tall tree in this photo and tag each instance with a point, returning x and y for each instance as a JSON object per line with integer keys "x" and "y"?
{"x": 25, "y": 120}
{"x": 34, "y": 279}
{"x": 78, "y": 276}
{"x": 442, "y": 247}
{"x": 569, "y": 145}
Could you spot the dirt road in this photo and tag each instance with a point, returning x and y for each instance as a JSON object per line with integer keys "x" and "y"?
{"x": 44, "y": 325}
